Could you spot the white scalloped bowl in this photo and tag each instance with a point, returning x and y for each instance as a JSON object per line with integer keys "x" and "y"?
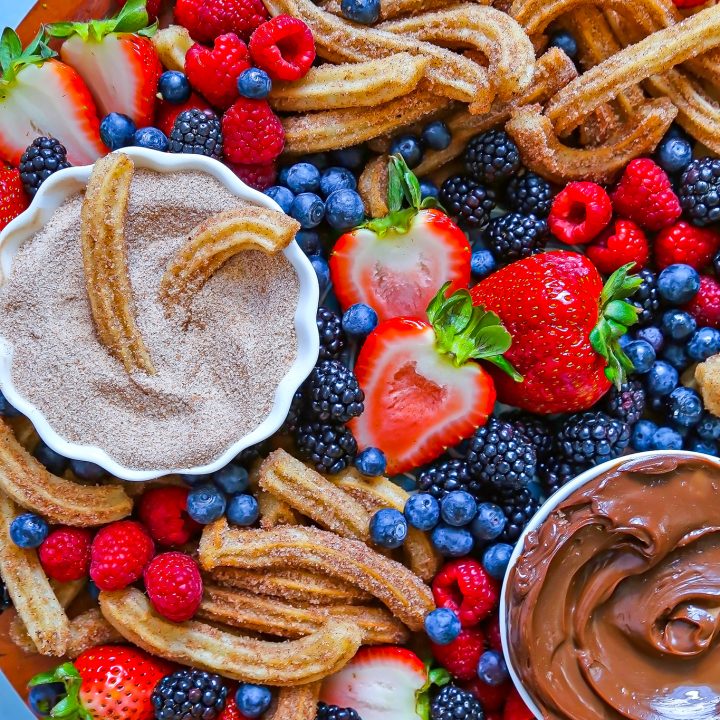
{"x": 51, "y": 195}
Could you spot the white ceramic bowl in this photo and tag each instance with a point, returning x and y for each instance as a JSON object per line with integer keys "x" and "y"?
{"x": 545, "y": 510}
{"x": 51, "y": 195}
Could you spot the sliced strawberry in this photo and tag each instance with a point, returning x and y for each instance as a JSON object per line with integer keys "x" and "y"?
{"x": 395, "y": 264}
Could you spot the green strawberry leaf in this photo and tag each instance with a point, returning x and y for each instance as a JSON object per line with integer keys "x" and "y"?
{"x": 13, "y": 58}
{"x": 69, "y": 707}
{"x": 439, "y": 677}
{"x": 132, "y": 18}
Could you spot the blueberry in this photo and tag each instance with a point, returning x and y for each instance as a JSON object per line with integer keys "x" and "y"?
{"x": 174, "y": 87}
{"x": 652, "y": 335}
{"x": 322, "y": 271}
{"x": 624, "y": 341}
{"x": 482, "y": 263}
{"x": 151, "y": 138}
{"x": 641, "y": 355}
{"x": 352, "y": 158}
{"x": 254, "y": 83}
{"x": 337, "y": 178}
{"x": 489, "y": 522}
{"x": 43, "y": 698}
{"x": 704, "y": 343}
{"x": 684, "y": 406}
{"x": 309, "y": 242}
{"x": 195, "y": 480}
{"x": 205, "y": 504}
{"x": 371, "y": 462}
{"x": 117, "y": 130}
{"x": 442, "y": 626}
{"x": 702, "y": 446}
{"x": 452, "y": 541}
{"x": 365, "y": 12}
{"x": 282, "y": 196}
{"x": 709, "y": 427}
{"x": 674, "y": 154}
{"x": 6, "y": 409}
{"x": 677, "y": 324}
{"x": 458, "y": 508}
{"x": 429, "y": 189}
{"x": 54, "y": 462}
{"x": 495, "y": 559}
{"x": 422, "y": 511}
{"x": 491, "y": 668}
{"x": 252, "y": 700}
{"x": 676, "y": 355}
{"x": 642, "y": 435}
{"x": 303, "y": 177}
{"x": 566, "y": 42}
{"x": 282, "y": 175}
{"x": 678, "y": 284}
{"x": 232, "y": 479}
{"x": 359, "y": 320}
{"x": 408, "y": 146}
{"x": 242, "y": 510}
{"x": 344, "y": 209}
{"x": 308, "y": 209}
{"x": 388, "y": 528}
{"x": 665, "y": 438}
{"x": 436, "y": 135}
{"x": 85, "y": 470}
{"x": 29, "y": 530}
{"x": 662, "y": 378}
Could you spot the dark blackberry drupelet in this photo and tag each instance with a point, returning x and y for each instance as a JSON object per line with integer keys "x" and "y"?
{"x": 5, "y": 601}
{"x": 467, "y": 201}
{"x": 627, "y": 403}
{"x": 519, "y": 506}
{"x": 333, "y": 392}
{"x": 591, "y": 438}
{"x": 646, "y": 297}
{"x": 330, "y": 447}
{"x": 554, "y": 473}
{"x": 700, "y": 191}
{"x": 441, "y": 478}
{"x": 500, "y": 455}
{"x": 492, "y": 157}
{"x": 514, "y": 236}
{"x": 296, "y": 412}
{"x": 537, "y": 431}
{"x": 197, "y": 132}
{"x": 333, "y": 712}
{"x": 189, "y": 694}
{"x": 530, "y": 194}
{"x": 332, "y": 336}
{"x": 452, "y": 703}
{"x": 40, "y": 160}
{"x": 250, "y": 454}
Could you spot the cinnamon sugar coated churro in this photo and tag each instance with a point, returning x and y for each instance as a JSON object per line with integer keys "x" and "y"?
{"x": 296, "y": 703}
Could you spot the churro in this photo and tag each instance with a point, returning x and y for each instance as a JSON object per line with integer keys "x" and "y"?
{"x": 372, "y": 186}
{"x": 399, "y": 589}
{"x": 171, "y": 44}
{"x": 293, "y": 662}
{"x": 102, "y": 224}
{"x": 24, "y": 432}
{"x": 296, "y": 703}
{"x": 707, "y": 376}
{"x": 90, "y": 629}
{"x": 390, "y": 9}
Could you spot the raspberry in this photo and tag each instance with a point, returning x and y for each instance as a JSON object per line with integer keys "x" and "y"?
{"x": 705, "y": 306}
{"x": 163, "y": 511}
{"x": 461, "y": 656}
{"x": 645, "y": 195}
{"x": 167, "y": 112}
{"x": 619, "y": 245}
{"x": 493, "y": 715}
{"x": 214, "y": 73}
{"x": 464, "y": 587}
{"x": 259, "y": 177}
{"x": 231, "y": 711}
{"x": 492, "y": 697}
{"x": 516, "y": 709}
{"x": 153, "y": 8}
{"x": 207, "y": 19}
{"x": 253, "y": 133}
{"x": 174, "y": 585}
{"x": 65, "y": 553}
{"x": 283, "y": 47}
{"x": 492, "y": 633}
{"x": 580, "y": 212}
{"x": 119, "y": 554}
{"x": 687, "y": 244}
{"x": 13, "y": 199}
{"x": 688, "y": 3}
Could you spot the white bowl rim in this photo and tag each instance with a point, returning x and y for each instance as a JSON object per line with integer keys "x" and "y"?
{"x": 50, "y": 195}
{"x": 540, "y": 516}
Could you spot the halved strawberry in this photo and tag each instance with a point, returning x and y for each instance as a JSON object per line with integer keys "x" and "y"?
{"x": 395, "y": 264}
{"x": 422, "y": 391}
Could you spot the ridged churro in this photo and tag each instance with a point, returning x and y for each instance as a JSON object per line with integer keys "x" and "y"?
{"x": 294, "y": 662}
{"x": 171, "y": 44}
{"x": 296, "y": 703}
{"x": 90, "y": 629}
{"x": 24, "y": 431}
{"x": 104, "y": 253}
{"x": 372, "y": 186}
{"x": 390, "y": 9}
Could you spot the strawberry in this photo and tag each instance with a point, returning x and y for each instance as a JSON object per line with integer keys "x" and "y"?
{"x": 564, "y": 326}
{"x": 396, "y": 263}
{"x": 116, "y": 59}
{"x": 167, "y": 112}
{"x": 42, "y": 96}
{"x": 13, "y": 198}
{"x": 108, "y": 682}
{"x": 516, "y": 709}
{"x": 423, "y": 392}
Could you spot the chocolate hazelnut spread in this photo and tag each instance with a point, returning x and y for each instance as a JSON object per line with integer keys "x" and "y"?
{"x": 614, "y": 605}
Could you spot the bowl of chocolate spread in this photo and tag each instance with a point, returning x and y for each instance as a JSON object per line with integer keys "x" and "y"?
{"x": 612, "y": 597}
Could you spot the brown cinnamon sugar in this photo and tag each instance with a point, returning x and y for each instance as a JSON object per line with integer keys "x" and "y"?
{"x": 216, "y": 378}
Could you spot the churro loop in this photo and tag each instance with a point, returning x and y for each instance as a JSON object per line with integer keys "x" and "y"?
{"x": 296, "y": 703}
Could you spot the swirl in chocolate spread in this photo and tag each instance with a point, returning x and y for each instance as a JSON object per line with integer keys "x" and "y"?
{"x": 614, "y": 605}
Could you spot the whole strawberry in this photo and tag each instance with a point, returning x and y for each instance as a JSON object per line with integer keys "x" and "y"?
{"x": 119, "y": 554}
{"x": 208, "y": 19}
{"x": 564, "y": 326}
{"x": 13, "y": 199}
{"x": 685, "y": 244}
{"x": 253, "y": 134}
{"x": 621, "y": 244}
{"x": 174, "y": 585}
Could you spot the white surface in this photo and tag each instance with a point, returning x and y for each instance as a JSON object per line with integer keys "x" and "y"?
{"x": 50, "y": 196}
{"x": 12, "y": 12}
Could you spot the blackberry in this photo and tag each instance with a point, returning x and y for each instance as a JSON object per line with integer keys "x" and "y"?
{"x": 519, "y": 506}
{"x": 332, "y": 336}
{"x": 530, "y": 194}
{"x": 189, "y": 694}
{"x": 537, "y": 431}
{"x": 514, "y": 236}
{"x": 452, "y": 703}
{"x": 296, "y": 412}
{"x": 700, "y": 191}
{"x": 5, "y": 601}
{"x": 627, "y": 403}
{"x": 499, "y": 454}
{"x": 333, "y": 712}
{"x": 333, "y": 392}
{"x": 197, "y": 132}
{"x": 250, "y": 454}
{"x": 444, "y": 477}
{"x": 591, "y": 438}
{"x": 554, "y": 473}
{"x": 646, "y": 297}
{"x": 492, "y": 157}
{"x": 467, "y": 201}
{"x": 39, "y": 161}
{"x": 330, "y": 447}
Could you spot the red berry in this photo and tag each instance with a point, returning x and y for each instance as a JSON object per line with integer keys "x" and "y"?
{"x": 705, "y": 306}
{"x": 163, "y": 511}
{"x": 283, "y": 47}
{"x": 174, "y": 585}
{"x": 153, "y": 8}
{"x": 65, "y": 553}
{"x": 13, "y": 198}
{"x": 119, "y": 554}
{"x": 167, "y": 112}
{"x": 619, "y": 245}
{"x": 231, "y": 711}
{"x": 686, "y": 244}
{"x": 492, "y": 697}
{"x": 493, "y": 715}
{"x": 253, "y": 134}
{"x": 460, "y": 657}
{"x": 492, "y": 633}
{"x": 207, "y": 19}
{"x": 688, "y": 3}
{"x": 516, "y": 709}
{"x": 259, "y": 177}
{"x": 464, "y": 587}
{"x": 645, "y": 195}
{"x": 580, "y": 212}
